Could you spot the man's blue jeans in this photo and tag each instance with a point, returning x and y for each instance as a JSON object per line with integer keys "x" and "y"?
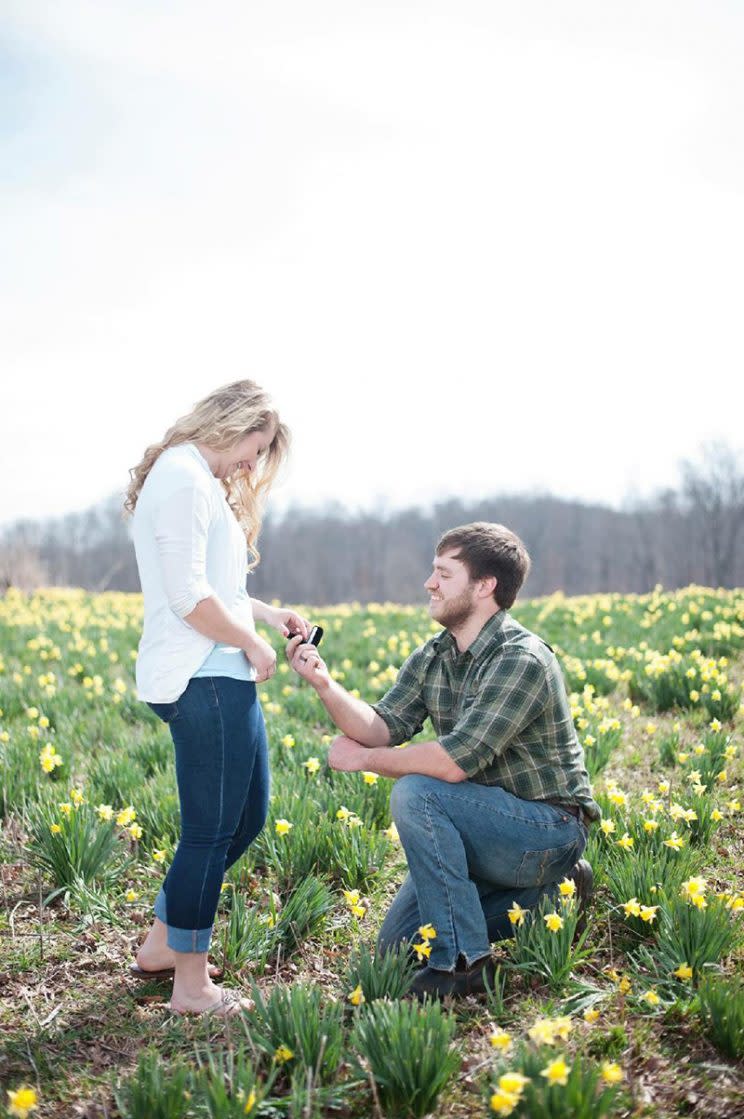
{"x": 472, "y": 851}
{"x": 222, "y": 770}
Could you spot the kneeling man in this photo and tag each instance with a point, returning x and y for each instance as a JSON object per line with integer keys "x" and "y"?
{"x": 495, "y": 808}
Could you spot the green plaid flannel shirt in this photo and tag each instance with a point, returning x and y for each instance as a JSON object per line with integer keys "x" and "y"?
{"x": 499, "y": 709}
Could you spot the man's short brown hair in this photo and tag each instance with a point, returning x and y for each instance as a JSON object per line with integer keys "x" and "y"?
{"x": 490, "y": 549}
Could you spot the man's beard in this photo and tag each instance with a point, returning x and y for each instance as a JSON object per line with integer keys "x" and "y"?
{"x": 456, "y": 612}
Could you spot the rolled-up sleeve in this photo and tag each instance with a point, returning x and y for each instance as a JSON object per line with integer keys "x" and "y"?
{"x": 402, "y": 708}
{"x": 181, "y": 524}
{"x": 513, "y": 696}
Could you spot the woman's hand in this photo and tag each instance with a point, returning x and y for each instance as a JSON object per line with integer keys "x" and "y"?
{"x": 286, "y": 621}
{"x": 262, "y": 657}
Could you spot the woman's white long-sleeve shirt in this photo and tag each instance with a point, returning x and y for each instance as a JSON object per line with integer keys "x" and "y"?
{"x": 189, "y": 546}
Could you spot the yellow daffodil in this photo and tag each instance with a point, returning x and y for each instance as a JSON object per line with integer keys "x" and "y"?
{"x": 312, "y": 765}
{"x": 516, "y": 914}
{"x": 675, "y": 842}
{"x": 513, "y": 1082}
{"x": 567, "y": 887}
{"x": 503, "y": 1103}
{"x": 684, "y": 971}
{"x": 356, "y": 997}
{"x": 591, "y": 1015}
{"x": 22, "y": 1102}
{"x": 632, "y": 908}
{"x": 370, "y": 778}
{"x": 554, "y": 921}
{"x": 500, "y": 1039}
{"x": 626, "y": 842}
{"x": 546, "y": 1030}
{"x": 651, "y": 997}
{"x": 648, "y": 913}
{"x": 693, "y": 887}
{"x": 49, "y": 759}
{"x": 612, "y": 1073}
{"x": 282, "y": 827}
{"x": 422, "y": 950}
{"x": 427, "y": 932}
{"x": 556, "y": 1072}
{"x": 283, "y": 1054}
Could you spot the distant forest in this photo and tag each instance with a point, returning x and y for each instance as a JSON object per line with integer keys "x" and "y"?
{"x": 693, "y": 534}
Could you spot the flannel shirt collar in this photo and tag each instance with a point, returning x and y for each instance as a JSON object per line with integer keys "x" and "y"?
{"x": 491, "y": 636}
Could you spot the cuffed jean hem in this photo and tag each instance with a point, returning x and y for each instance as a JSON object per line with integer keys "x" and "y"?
{"x": 181, "y": 940}
{"x": 160, "y": 911}
{"x": 189, "y": 940}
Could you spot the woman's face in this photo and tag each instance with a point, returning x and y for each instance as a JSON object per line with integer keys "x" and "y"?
{"x": 243, "y": 456}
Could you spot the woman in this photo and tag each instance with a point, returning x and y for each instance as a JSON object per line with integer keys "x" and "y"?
{"x": 196, "y": 500}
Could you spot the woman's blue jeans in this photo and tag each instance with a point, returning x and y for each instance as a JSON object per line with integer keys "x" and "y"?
{"x": 222, "y": 770}
{"x": 472, "y": 851}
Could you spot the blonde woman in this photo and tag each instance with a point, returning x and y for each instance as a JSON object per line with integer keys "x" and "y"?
{"x": 196, "y": 499}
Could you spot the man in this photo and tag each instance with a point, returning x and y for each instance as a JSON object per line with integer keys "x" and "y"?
{"x": 495, "y": 808}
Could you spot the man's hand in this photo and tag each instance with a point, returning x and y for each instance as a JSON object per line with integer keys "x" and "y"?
{"x": 347, "y": 755}
{"x": 307, "y": 662}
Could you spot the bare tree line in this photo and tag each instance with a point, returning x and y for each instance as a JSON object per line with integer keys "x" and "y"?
{"x": 323, "y": 556}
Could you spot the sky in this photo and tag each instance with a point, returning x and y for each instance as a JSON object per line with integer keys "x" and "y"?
{"x": 469, "y": 247}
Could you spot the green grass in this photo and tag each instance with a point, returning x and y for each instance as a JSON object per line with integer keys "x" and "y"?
{"x": 76, "y": 1027}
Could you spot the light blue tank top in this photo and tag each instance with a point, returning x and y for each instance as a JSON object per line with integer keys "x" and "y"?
{"x": 226, "y": 660}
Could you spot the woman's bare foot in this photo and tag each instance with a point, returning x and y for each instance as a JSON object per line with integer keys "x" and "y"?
{"x": 154, "y": 954}
{"x": 193, "y": 990}
{"x": 219, "y": 1001}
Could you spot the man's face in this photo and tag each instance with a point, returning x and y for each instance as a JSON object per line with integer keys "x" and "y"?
{"x": 451, "y": 594}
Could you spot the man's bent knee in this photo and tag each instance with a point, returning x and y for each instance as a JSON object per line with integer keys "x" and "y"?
{"x": 408, "y": 792}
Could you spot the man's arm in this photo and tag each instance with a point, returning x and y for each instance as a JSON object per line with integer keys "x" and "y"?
{"x": 352, "y": 716}
{"x": 427, "y": 758}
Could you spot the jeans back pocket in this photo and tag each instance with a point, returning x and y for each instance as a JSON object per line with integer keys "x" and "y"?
{"x": 539, "y": 867}
{"x": 165, "y": 711}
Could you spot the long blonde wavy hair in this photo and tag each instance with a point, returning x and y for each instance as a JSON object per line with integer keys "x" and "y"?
{"x": 220, "y": 421}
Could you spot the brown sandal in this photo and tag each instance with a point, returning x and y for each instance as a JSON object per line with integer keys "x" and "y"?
{"x": 229, "y": 1005}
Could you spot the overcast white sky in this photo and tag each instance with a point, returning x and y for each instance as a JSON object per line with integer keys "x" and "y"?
{"x": 470, "y": 247}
